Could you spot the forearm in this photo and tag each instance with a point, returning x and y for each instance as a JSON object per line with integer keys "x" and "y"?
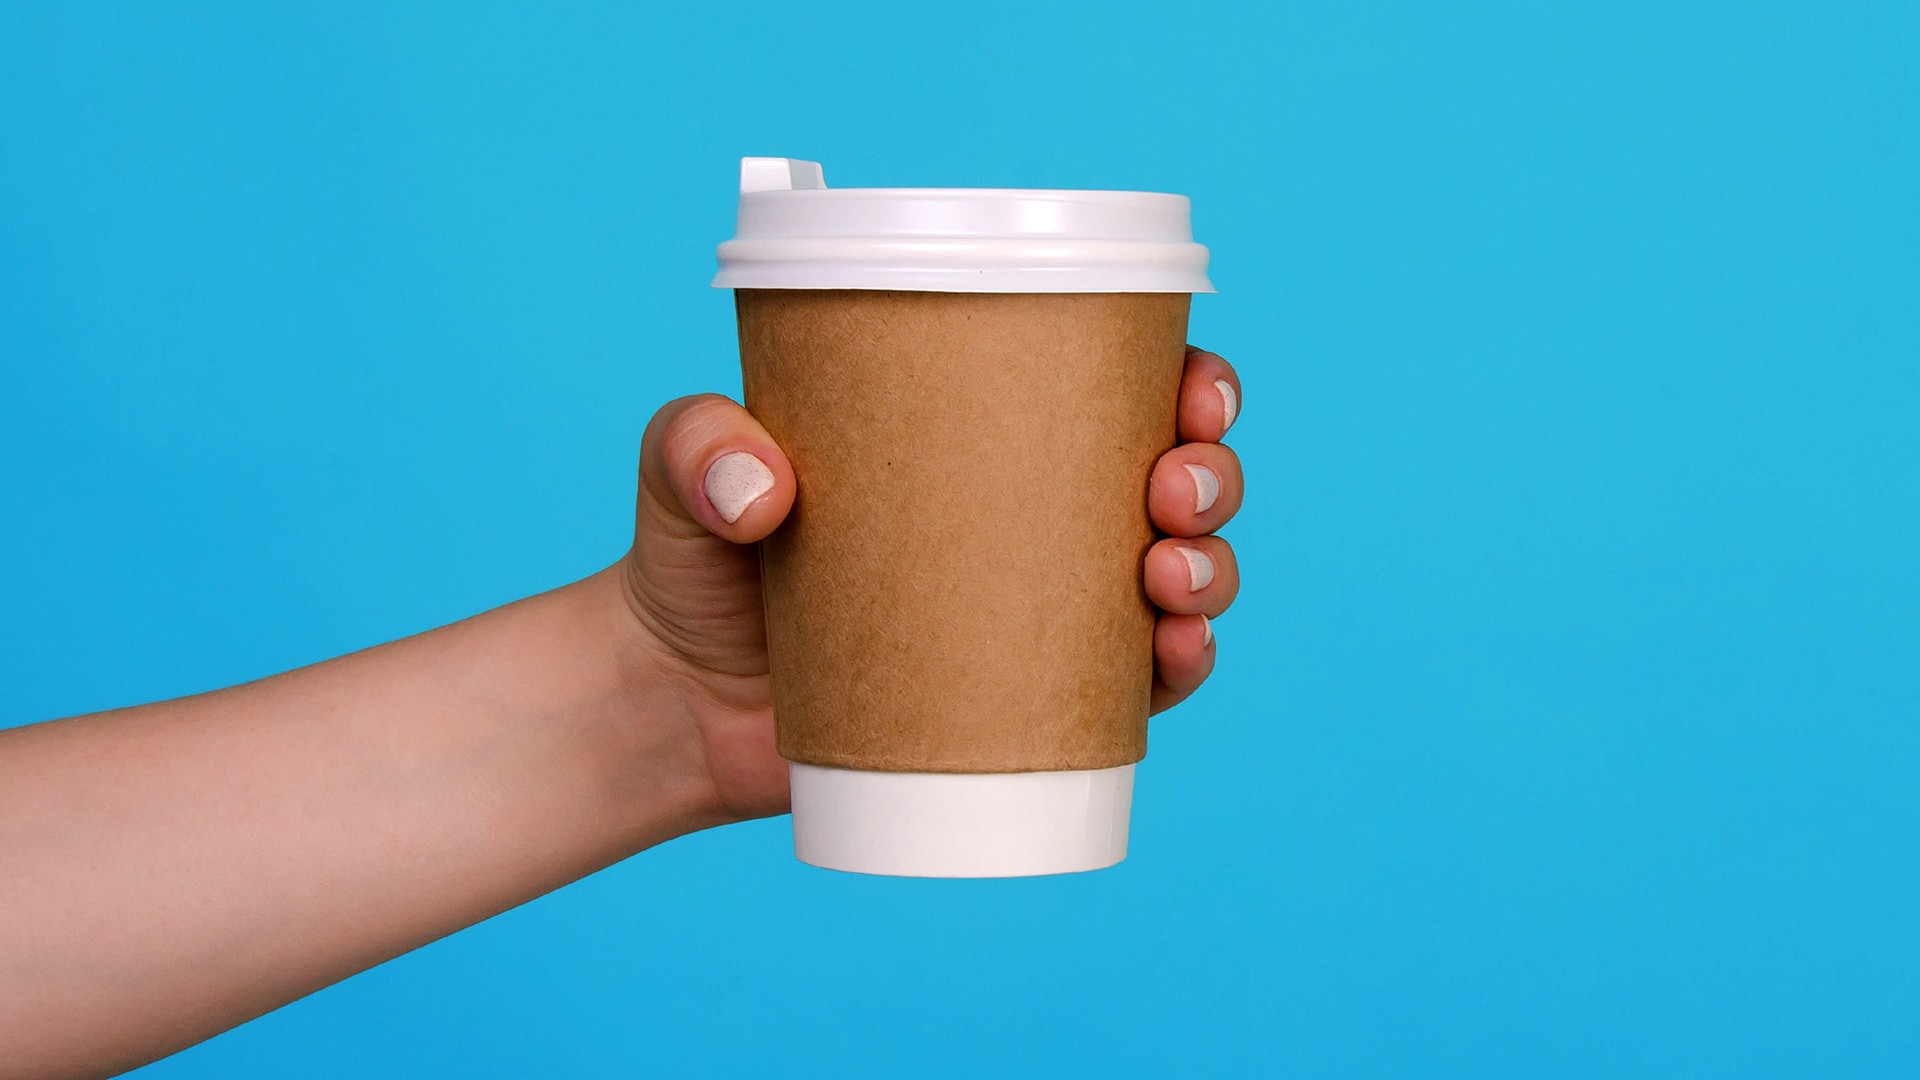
{"x": 170, "y": 870}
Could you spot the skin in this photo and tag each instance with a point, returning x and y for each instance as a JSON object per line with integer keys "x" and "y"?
{"x": 175, "y": 869}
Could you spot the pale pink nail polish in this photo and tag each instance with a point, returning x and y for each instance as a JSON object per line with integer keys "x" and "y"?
{"x": 1199, "y": 568}
{"x": 734, "y": 482}
{"x": 1206, "y": 487}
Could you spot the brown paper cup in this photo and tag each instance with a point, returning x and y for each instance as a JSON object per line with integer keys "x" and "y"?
{"x": 962, "y": 650}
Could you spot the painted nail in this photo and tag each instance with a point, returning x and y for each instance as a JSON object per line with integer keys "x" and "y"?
{"x": 1229, "y": 404}
{"x": 1206, "y": 487}
{"x": 1206, "y": 626}
{"x": 1199, "y": 568}
{"x": 734, "y": 481}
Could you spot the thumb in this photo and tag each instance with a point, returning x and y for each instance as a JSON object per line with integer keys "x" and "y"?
{"x": 707, "y": 466}
{"x": 711, "y": 482}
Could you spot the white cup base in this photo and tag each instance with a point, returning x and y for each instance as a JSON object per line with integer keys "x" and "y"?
{"x": 960, "y": 825}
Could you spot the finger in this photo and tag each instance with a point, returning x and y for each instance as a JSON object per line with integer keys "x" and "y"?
{"x": 1195, "y": 488}
{"x": 1197, "y": 576}
{"x": 707, "y": 463}
{"x": 1209, "y": 397}
{"x": 1183, "y": 655}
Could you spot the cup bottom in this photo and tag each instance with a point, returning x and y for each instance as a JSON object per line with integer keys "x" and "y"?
{"x": 960, "y": 825}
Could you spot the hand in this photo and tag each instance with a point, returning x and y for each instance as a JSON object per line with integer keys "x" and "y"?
{"x": 712, "y": 482}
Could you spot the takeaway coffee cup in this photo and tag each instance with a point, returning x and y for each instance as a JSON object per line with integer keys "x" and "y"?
{"x": 973, "y": 386}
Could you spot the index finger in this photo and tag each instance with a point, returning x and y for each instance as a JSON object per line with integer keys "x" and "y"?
{"x": 1209, "y": 397}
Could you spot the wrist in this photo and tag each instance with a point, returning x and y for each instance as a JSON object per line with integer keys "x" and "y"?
{"x": 637, "y": 711}
{"x": 698, "y": 658}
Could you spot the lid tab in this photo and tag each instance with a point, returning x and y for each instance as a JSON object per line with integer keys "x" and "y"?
{"x": 780, "y": 174}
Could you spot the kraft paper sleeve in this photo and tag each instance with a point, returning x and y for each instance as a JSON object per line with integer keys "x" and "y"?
{"x": 958, "y": 588}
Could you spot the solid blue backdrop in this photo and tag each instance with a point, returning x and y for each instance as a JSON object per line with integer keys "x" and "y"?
{"x": 1566, "y": 723}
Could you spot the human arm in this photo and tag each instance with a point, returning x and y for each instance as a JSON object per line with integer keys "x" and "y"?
{"x": 170, "y": 870}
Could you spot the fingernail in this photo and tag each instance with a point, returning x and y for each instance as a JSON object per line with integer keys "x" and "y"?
{"x": 1229, "y": 404}
{"x": 1199, "y": 568}
{"x": 734, "y": 481}
{"x": 1206, "y": 627}
{"x": 1206, "y": 487}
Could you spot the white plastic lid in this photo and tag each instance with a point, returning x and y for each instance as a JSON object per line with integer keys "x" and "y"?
{"x": 796, "y": 233}
{"x": 960, "y": 825}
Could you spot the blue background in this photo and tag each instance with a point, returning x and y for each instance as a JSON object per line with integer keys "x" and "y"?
{"x": 1566, "y": 723}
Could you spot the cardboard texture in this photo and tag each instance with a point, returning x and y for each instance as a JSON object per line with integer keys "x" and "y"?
{"x": 958, "y": 588}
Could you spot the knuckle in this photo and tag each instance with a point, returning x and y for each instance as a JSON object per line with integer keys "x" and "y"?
{"x": 703, "y": 411}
